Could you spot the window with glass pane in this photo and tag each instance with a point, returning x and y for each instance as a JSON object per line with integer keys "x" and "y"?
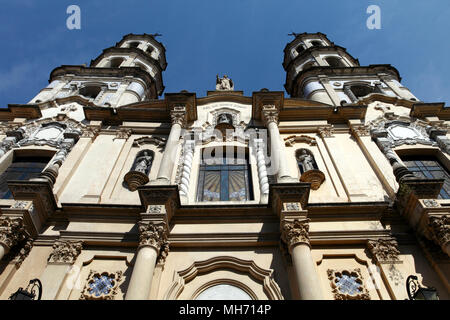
{"x": 429, "y": 168}
{"x": 21, "y": 169}
{"x": 224, "y": 182}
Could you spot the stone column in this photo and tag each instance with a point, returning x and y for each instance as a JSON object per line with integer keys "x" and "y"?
{"x": 296, "y": 235}
{"x": 178, "y": 116}
{"x": 64, "y": 254}
{"x": 269, "y": 114}
{"x": 262, "y": 170}
{"x": 12, "y": 231}
{"x": 187, "y": 167}
{"x": 152, "y": 244}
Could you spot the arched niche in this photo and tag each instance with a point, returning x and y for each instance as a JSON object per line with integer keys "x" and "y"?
{"x": 257, "y": 282}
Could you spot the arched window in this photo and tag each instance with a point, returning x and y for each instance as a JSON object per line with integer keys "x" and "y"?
{"x": 359, "y": 90}
{"x": 300, "y": 49}
{"x": 116, "y": 62}
{"x": 22, "y": 168}
{"x": 428, "y": 167}
{"x": 134, "y": 44}
{"x": 309, "y": 65}
{"x": 142, "y": 66}
{"x": 317, "y": 43}
{"x": 91, "y": 91}
{"x": 334, "y": 62}
{"x": 222, "y": 178}
{"x": 224, "y": 292}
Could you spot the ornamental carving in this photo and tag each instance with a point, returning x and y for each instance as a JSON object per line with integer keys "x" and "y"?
{"x": 101, "y": 285}
{"x": 178, "y": 115}
{"x": 347, "y": 284}
{"x": 430, "y": 203}
{"x": 440, "y": 228}
{"x": 153, "y": 234}
{"x": 326, "y": 132}
{"x": 269, "y": 113}
{"x": 90, "y": 133}
{"x": 123, "y": 134}
{"x": 295, "y": 232}
{"x": 361, "y": 131}
{"x": 65, "y": 251}
{"x": 384, "y": 250}
{"x": 292, "y": 140}
{"x": 19, "y": 252}
{"x": 12, "y": 231}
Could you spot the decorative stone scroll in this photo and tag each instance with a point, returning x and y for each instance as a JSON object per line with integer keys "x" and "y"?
{"x": 384, "y": 250}
{"x": 12, "y": 231}
{"x": 347, "y": 284}
{"x": 292, "y": 140}
{"x": 101, "y": 285}
{"x": 65, "y": 251}
{"x": 295, "y": 232}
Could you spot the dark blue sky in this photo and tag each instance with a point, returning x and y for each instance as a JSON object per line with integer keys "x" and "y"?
{"x": 241, "y": 38}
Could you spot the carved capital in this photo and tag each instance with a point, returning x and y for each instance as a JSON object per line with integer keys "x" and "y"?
{"x": 65, "y": 251}
{"x": 269, "y": 113}
{"x": 154, "y": 235}
{"x": 123, "y": 133}
{"x": 90, "y": 132}
{"x": 384, "y": 250}
{"x": 361, "y": 131}
{"x": 326, "y": 132}
{"x": 440, "y": 229}
{"x": 178, "y": 115}
{"x": 295, "y": 232}
{"x": 12, "y": 231}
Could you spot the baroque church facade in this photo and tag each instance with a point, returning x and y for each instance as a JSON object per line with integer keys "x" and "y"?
{"x": 338, "y": 191}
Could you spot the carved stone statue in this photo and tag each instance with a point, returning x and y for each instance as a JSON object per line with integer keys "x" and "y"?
{"x": 224, "y": 84}
{"x": 143, "y": 162}
{"x": 306, "y": 160}
{"x": 223, "y": 118}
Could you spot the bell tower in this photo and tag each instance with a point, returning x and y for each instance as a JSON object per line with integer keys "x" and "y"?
{"x": 129, "y": 72}
{"x": 319, "y": 70}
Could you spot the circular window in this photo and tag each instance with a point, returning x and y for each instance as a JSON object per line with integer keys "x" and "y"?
{"x": 223, "y": 292}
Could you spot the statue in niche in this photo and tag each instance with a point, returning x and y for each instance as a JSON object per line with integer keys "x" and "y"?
{"x": 224, "y": 118}
{"x": 306, "y": 161}
{"x": 224, "y": 84}
{"x": 143, "y": 162}
{"x": 137, "y": 176}
{"x": 308, "y": 169}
